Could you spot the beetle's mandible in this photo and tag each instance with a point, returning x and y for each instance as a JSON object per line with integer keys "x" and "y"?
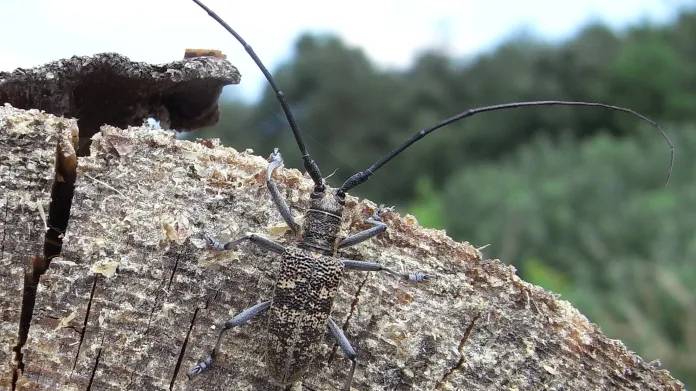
{"x": 310, "y": 272}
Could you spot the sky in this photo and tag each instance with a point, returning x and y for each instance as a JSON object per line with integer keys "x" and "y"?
{"x": 390, "y": 32}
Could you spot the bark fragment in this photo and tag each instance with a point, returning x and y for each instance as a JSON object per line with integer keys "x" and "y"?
{"x": 108, "y": 88}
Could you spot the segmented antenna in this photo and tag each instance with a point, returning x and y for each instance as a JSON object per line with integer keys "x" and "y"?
{"x": 363, "y": 176}
{"x": 309, "y": 164}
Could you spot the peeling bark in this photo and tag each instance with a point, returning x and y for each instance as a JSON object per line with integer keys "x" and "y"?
{"x": 108, "y": 88}
{"x": 135, "y": 279}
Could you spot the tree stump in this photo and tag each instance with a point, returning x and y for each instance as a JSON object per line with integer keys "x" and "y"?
{"x": 107, "y": 283}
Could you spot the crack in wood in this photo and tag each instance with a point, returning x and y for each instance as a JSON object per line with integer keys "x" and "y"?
{"x": 354, "y": 303}
{"x": 62, "y": 192}
{"x": 183, "y": 347}
{"x": 31, "y": 283}
{"x": 96, "y": 364}
{"x": 460, "y": 349}
{"x": 156, "y": 304}
{"x": 208, "y": 304}
{"x": 4, "y": 229}
{"x": 58, "y": 217}
{"x": 152, "y": 313}
{"x": 84, "y": 324}
{"x": 15, "y": 378}
{"x": 176, "y": 264}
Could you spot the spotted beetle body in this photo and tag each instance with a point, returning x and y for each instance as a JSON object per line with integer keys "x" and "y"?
{"x": 306, "y": 284}
{"x": 304, "y": 293}
{"x": 305, "y": 288}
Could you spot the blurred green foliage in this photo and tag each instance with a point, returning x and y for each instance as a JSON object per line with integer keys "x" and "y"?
{"x": 571, "y": 196}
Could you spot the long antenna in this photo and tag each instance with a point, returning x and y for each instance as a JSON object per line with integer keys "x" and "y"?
{"x": 363, "y": 176}
{"x": 309, "y": 164}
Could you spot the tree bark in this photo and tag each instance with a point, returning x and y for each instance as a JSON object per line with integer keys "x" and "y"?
{"x": 135, "y": 298}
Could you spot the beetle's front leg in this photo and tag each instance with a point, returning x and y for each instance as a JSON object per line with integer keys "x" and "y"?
{"x": 276, "y": 160}
{"x": 362, "y": 236}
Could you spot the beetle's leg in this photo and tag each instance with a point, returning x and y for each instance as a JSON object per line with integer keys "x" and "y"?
{"x": 362, "y": 236}
{"x": 278, "y": 200}
{"x": 350, "y": 264}
{"x": 347, "y": 349}
{"x": 238, "y": 320}
{"x": 253, "y": 238}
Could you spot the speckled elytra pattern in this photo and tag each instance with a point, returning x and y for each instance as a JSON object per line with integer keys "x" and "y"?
{"x": 304, "y": 293}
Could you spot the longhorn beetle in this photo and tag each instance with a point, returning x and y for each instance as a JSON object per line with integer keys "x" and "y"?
{"x": 310, "y": 272}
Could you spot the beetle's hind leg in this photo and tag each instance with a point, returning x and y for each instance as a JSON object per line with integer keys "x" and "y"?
{"x": 347, "y": 349}
{"x": 238, "y": 320}
{"x": 350, "y": 264}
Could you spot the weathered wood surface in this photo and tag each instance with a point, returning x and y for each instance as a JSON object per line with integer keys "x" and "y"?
{"x": 35, "y": 149}
{"x": 135, "y": 299}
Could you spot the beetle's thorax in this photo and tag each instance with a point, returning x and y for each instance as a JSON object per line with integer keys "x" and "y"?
{"x": 322, "y": 222}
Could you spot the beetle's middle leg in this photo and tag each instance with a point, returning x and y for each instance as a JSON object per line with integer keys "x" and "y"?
{"x": 238, "y": 320}
{"x": 347, "y": 349}
{"x": 350, "y": 264}
{"x": 362, "y": 236}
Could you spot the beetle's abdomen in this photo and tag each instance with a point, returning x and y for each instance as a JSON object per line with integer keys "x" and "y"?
{"x": 302, "y": 301}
